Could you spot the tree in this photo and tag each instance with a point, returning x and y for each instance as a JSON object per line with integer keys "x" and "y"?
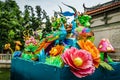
{"x": 10, "y": 23}
{"x": 13, "y": 22}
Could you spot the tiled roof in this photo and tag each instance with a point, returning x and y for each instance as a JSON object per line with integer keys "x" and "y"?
{"x": 103, "y": 8}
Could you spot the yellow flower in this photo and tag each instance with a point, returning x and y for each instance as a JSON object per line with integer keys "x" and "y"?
{"x": 7, "y": 46}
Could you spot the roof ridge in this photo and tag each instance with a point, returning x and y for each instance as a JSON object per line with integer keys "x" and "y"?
{"x": 102, "y": 8}
{"x": 86, "y": 9}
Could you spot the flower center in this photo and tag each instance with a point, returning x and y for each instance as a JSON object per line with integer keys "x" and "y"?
{"x": 77, "y": 61}
{"x": 55, "y": 51}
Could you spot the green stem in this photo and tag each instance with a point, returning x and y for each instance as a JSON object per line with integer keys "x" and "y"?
{"x": 105, "y": 57}
{"x": 11, "y": 50}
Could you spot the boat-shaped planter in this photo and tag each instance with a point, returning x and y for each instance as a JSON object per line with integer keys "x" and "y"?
{"x": 29, "y": 70}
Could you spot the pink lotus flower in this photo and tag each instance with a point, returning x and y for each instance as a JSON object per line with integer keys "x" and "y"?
{"x": 79, "y": 61}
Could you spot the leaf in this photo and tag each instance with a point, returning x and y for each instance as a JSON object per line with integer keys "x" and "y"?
{"x": 54, "y": 61}
{"x": 31, "y": 48}
{"x": 106, "y": 66}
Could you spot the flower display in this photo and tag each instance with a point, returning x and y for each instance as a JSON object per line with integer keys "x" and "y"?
{"x": 58, "y": 49}
{"x": 31, "y": 40}
{"x": 79, "y": 61}
{"x": 105, "y": 46}
{"x": 7, "y": 46}
{"x": 18, "y": 44}
{"x": 66, "y": 43}
{"x": 90, "y": 47}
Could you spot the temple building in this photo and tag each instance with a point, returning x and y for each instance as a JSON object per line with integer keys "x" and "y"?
{"x": 106, "y": 24}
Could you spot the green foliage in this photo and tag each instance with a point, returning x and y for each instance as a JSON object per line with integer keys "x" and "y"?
{"x": 10, "y": 26}
{"x": 54, "y": 61}
{"x": 4, "y": 74}
{"x": 106, "y": 65}
{"x": 13, "y": 22}
{"x": 31, "y": 48}
{"x": 84, "y": 20}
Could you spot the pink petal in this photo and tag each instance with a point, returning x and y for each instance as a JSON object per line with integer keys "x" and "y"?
{"x": 86, "y": 68}
{"x": 89, "y": 70}
{"x": 78, "y": 74}
{"x": 82, "y": 73}
{"x": 66, "y": 58}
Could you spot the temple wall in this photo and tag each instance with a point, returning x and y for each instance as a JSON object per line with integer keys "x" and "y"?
{"x": 111, "y": 30}
{"x": 97, "y": 21}
{"x": 114, "y": 17}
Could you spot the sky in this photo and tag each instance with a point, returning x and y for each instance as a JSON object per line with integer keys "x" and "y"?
{"x": 50, "y": 5}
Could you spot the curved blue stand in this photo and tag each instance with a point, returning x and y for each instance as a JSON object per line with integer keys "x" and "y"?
{"x": 28, "y": 70}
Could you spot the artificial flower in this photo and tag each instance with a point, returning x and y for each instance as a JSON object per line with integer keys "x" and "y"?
{"x": 31, "y": 40}
{"x": 43, "y": 45}
{"x": 105, "y": 46}
{"x": 58, "y": 49}
{"x": 17, "y": 46}
{"x": 89, "y": 46}
{"x": 79, "y": 61}
{"x": 7, "y": 46}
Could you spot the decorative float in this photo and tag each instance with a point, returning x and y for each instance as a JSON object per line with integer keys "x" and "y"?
{"x": 67, "y": 53}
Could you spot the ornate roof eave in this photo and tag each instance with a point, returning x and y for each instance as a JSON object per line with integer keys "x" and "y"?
{"x": 102, "y": 7}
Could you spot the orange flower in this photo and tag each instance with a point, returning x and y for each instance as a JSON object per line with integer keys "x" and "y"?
{"x": 89, "y": 46}
{"x": 58, "y": 49}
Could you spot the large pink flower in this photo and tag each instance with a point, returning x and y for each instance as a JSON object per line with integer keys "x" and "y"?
{"x": 80, "y": 62}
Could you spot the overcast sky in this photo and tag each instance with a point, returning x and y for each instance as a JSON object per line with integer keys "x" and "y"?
{"x": 50, "y": 5}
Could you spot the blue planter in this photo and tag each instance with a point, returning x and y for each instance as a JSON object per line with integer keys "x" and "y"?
{"x": 28, "y": 70}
